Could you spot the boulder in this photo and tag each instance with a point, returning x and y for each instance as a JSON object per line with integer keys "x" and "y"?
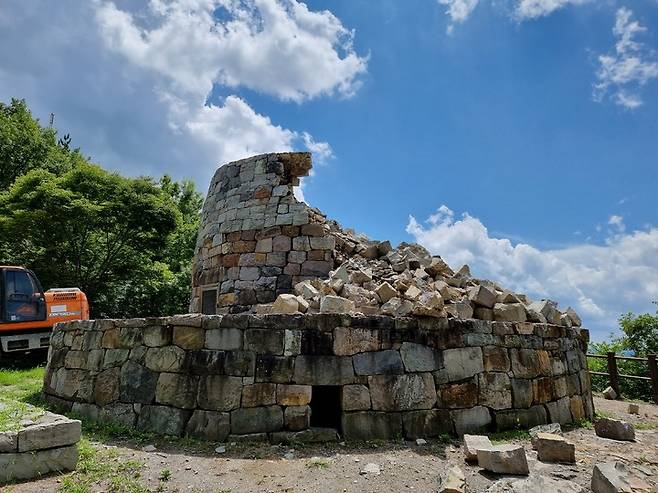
{"x": 509, "y": 312}
{"x": 504, "y": 459}
{"x": 611, "y": 477}
{"x": 554, "y": 448}
{"x": 483, "y": 296}
{"x": 336, "y": 304}
{"x": 472, "y": 443}
{"x": 614, "y": 429}
{"x": 385, "y": 292}
{"x": 547, "y": 309}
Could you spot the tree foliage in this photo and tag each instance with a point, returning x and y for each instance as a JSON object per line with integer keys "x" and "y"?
{"x": 127, "y": 242}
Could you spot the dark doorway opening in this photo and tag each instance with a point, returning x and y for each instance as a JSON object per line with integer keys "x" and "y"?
{"x": 209, "y": 302}
{"x": 325, "y": 406}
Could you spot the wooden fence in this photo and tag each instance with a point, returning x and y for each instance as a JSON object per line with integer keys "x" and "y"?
{"x": 614, "y": 375}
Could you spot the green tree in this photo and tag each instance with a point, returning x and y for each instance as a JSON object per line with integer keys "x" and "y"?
{"x": 640, "y": 332}
{"x": 26, "y": 145}
{"x": 88, "y": 228}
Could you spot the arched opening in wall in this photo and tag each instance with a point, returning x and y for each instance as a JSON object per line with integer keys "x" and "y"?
{"x": 209, "y": 302}
{"x": 325, "y": 406}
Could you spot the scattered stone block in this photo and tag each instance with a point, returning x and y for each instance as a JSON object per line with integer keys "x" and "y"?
{"x": 483, "y": 296}
{"x": 633, "y": 408}
{"x": 611, "y": 477}
{"x": 52, "y": 431}
{"x": 453, "y": 481}
{"x": 336, "y": 304}
{"x": 504, "y": 459}
{"x": 285, "y": 303}
{"x": 614, "y": 429}
{"x": 552, "y": 428}
{"x": 34, "y": 464}
{"x": 472, "y": 443}
{"x": 554, "y": 448}
{"x": 610, "y": 394}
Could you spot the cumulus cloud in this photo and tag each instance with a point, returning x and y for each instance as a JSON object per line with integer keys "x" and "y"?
{"x": 600, "y": 281}
{"x": 624, "y": 71}
{"x": 277, "y": 47}
{"x": 138, "y": 87}
{"x": 521, "y": 10}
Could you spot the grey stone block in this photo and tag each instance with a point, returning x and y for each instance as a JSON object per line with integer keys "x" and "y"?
{"x": 47, "y": 435}
{"x": 219, "y": 393}
{"x": 163, "y": 420}
{"x": 225, "y": 339}
{"x": 430, "y": 423}
{"x": 138, "y": 383}
{"x": 386, "y": 362}
{"x": 209, "y": 425}
{"x": 463, "y": 363}
{"x": 368, "y": 425}
{"x": 324, "y": 370}
{"x": 256, "y": 420}
{"x": 8, "y": 442}
{"x": 402, "y": 392}
{"x": 31, "y": 465}
{"x": 418, "y": 358}
{"x": 471, "y": 420}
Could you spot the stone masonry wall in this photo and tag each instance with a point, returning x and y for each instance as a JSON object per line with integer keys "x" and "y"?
{"x": 256, "y": 240}
{"x": 261, "y": 376}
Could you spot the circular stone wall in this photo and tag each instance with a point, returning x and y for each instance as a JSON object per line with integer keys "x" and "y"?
{"x": 311, "y": 376}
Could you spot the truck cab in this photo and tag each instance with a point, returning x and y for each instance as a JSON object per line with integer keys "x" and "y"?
{"x": 27, "y": 313}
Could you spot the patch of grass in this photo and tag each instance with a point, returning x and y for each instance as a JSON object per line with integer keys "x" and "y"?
{"x": 506, "y": 436}
{"x": 582, "y": 423}
{"x": 317, "y": 463}
{"x": 165, "y": 475}
{"x": 603, "y": 414}
{"x": 103, "y": 466}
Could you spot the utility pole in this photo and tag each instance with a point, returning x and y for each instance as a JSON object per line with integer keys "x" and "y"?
{"x": 52, "y": 119}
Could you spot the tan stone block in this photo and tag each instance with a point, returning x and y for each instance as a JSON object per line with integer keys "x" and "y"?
{"x": 293, "y": 395}
{"x": 189, "y": 337}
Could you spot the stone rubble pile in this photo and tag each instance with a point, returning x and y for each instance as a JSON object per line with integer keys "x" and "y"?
{"x": 374, "y": 278}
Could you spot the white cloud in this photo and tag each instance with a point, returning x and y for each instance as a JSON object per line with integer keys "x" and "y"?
{"x": 623, "y": 72}
{"x": 277, "y": 47}
{"x": 600, "y": 281}
{"x": 532, "y": 9}
{"x": 617, "y": 222}
{"x": 322, "y": 151}
{"x": 460, "y": 10}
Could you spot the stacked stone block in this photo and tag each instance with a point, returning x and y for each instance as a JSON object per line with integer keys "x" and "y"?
{"x": 256, "y": 240}
{"x": 256, "y": 376}
{"x": 43, "y": 445}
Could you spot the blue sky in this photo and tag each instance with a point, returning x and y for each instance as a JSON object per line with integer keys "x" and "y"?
{"x": 487, "y": 112}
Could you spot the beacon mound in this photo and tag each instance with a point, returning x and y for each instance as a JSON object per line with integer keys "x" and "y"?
{"x": 300, "y": 330}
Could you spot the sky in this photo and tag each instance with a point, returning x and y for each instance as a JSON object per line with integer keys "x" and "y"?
{"x": 517, "y": 136}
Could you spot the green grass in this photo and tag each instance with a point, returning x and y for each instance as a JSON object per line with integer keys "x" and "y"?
{"x": 506, "y": 436}
{"x": 646, "y": 426}
{"x": 317, "y": 463}
{"x": 20, "y": 396}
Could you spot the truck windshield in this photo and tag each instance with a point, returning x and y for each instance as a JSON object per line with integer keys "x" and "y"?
{"x": 21, "y": 297}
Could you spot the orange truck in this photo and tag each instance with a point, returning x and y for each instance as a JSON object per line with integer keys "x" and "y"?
{"x": 27, "y": 313}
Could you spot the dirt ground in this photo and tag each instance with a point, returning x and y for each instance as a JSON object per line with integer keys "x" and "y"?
{"x": 338, "y": 467}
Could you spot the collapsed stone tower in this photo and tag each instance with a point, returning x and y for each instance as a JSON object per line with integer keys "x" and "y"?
{"x": 301, "y": 330}
{"x": 256, "y": 240}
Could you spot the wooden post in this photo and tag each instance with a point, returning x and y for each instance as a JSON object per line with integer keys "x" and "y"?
{"x": 653, "y": 373}
{"x": 613, "y": 373}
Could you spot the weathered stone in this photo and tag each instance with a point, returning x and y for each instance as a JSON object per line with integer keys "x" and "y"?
{"x": 402, "y": 392}
{"x": 114, "y": 357}
{"x": 163, "y": 420}
{"x": 633, "y": 408}
{"x": 336, "y": 304}
{"x": 522, "y": 392}
{"x": 470, "y": 420}
{"x": 560, "y": 411}
{"x": 521, "y": 418}
{"x": 323, "y": 370}
{"x": 385, "y": 292}
{"x": 540, "y": 484}
{"x": 427, "y": 424}
{"x": 495, "y": 358}
{"x": 259, "y": 394}
{"x": 293, "y": 395}
{"x": 137, "y": 383}
{"x": 463, "y": 363}
{"x": 106, "y": 388}
{"x": 547, "y": 309}
{"x": 118, "y": 413}
{"x": 275, "y": 369}
{"x": 285, "y": 303}
{"x": 495, "y": 390}
{"x": 552, "y": 428}
{"x": 471, "y": 445}
{"x": 157, "y": 335}
{"x": 459, "y": 395}
{"x": 349, "y": 341}
{"x": 369, "y": 425}
{"x": 379, "y": 362}
{"x": 615, "y": 429}
{"x": 482, "y": 295}
{"x": 397, "y": 307}
{"x": 542, "y": 390}
{"x": 419, "y": 358}
{"x": 554, "y": 448}
{"x": 452, "y": 482}
{"x": 509, "y": 312}
{"x": 189, "y": 337}
{"x": 166, "y": 359}
{"x": 209, "y": 425}
{"x": 503, "y": 459}
{"x": 256, "y": 420}
{"x": 530, "y": 363}
{"x": 311, "y": 435}
{"x": 355, "y": 398}
{"x": 56, "y": 431}
{"x": 177, "y": 390}
{"x": 264, "y": 341}
{"x": 611, "y": 477}
{"x": 8, "y": 442}
{"x": 35, "y": 464}
{"x": 297, "y": 418}
{"x": 609, "y": 393}
{"x": 483, "y": 313}
{"x": 460, "y": 309}
{"x": 573, "y": 316}
{"x": 219, "y": 393}
{"x": 225, "y": 339}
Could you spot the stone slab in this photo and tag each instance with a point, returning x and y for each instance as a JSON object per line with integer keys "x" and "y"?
{"x": 29, "y": 465}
